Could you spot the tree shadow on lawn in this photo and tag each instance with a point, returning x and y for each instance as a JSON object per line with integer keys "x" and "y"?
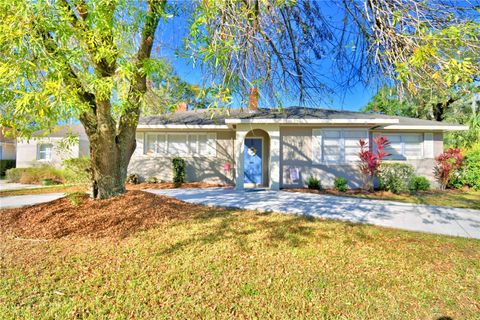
{"x": 273, "y": 229}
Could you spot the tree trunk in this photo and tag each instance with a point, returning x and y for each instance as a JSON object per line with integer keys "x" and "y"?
{"x": 110, "y": 152}
{"x": 110, "y": 160}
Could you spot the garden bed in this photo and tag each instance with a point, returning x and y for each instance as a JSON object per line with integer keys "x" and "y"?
{"x": 464, "y": 198}
{"x": 78, "y": 215}
{"x": 170, "y": 185}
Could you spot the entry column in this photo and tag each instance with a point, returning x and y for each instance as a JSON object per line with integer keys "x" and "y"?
{"x": 241, "y": 133}
{"x": 274, "y": 133}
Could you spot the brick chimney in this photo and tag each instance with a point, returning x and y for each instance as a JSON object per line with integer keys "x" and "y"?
{"x": 253, "y": 99}
{"x": 182, "y": 107}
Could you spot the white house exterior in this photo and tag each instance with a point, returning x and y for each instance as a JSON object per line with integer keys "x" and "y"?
{"x": 51, "y": 149}
{"x": 7, "y": 147}
{"x": 272, "y": 148}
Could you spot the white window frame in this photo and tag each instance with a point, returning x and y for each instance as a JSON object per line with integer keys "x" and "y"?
{"x": 211, "y": 147}
{"x": 318, "y": 154}
{"x": 40, "y": 152}
{"x": 403, "y": 156}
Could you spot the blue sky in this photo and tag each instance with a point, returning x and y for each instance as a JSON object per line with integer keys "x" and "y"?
{"x": 169, "y": 39}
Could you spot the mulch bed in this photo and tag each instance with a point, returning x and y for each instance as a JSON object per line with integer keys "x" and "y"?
{"x": 334, "y": 192}
{"x": 376, "y": 193}
{"x": 170, "y": 185}
{"x": 116, "y": 217}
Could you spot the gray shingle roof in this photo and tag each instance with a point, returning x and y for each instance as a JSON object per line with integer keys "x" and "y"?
{"x": 218, "y": 116}
{"x": 62, "y": 131}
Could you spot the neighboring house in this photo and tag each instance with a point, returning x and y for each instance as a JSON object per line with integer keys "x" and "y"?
{"x": 272, "y": 148}
{"x": 53, "y": 148}
{"x": 7, "y": 147}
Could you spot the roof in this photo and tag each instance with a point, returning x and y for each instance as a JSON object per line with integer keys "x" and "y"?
{"x": 62, "y": 131}
{"x": 210, "y": 117}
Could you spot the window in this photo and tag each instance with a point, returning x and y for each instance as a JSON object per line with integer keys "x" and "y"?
{"x": 180, "y": 144}
{"x": 335, "y": 146}
{"x": 44, "y": 151}
{"x": 404, "y": 146}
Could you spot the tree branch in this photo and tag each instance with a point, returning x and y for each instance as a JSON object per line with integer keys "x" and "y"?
{"x": 138, "y": 87}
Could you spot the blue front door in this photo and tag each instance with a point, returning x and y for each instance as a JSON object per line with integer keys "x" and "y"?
{"x": 253, "y": 161}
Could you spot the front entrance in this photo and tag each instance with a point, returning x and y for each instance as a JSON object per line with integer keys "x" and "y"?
{"x": 253, "y": 162}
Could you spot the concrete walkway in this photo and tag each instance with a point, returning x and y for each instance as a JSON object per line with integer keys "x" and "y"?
{"x": 27, "y": 200}
{"x": 4, "y": 186}
{"x": 426, "y": 218}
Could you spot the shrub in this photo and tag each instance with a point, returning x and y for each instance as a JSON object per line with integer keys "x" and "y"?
{"x": 448, "y": 165}
{"x": 370, "y": 161}
{"x": 77, "y": 170}
{"x": 469, "y": 174}
{"x": 152, "y": 180}
{"x": 340, "y": 184}
{"x": 179, "y": 171}
{"x": 14, "y": 174}
{"x": 313, "y": 183}
{"x": 5, "y": 165}
{"x": 35, "y": 175}
{"x": 133, "y": 178}
{"x": 418, "y": 183}
{"x": 395, "y": 176}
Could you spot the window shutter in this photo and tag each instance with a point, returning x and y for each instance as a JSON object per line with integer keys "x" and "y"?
{"x": 428, "y": 145}
{"x": 139, "y": 148}
{"x": 316, "y": 146}
{"x": 212, "y": 144}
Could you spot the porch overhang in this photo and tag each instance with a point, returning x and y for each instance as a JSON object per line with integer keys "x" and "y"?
{"x": 185, "y": 126}
{"x": 425, "y": 127}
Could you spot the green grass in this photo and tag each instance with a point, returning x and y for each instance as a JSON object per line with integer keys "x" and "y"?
{"x": 44, "y": 189}
{"x": 450, "y": 198}
{"x": 237, "y": 264}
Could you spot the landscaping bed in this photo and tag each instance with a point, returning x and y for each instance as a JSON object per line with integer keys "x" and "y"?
{"x": 78, "y": 215}
{"x": 170, "y": 185}
{"x": 85, "y": 188}
{"x": 464, "y": 198}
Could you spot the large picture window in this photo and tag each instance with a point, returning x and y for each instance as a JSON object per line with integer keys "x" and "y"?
{"x": 336, "y": 146}
{"x": 404, "y": 146}
{"x": 44, "y": 151}
{"x": 180, "y": 144}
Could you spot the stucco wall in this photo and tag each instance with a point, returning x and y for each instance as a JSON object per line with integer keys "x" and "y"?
{"x": 8, "y": 148}
{"x": 27, "y": 152}
{"x": 296, "y": 151}
{"x": 84, "y": 147}
{"x": 9, "y": 151}
{"x": 208, "y": 169}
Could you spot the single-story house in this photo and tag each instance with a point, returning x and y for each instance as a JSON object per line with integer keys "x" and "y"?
{"x": 7, "y": 151}
{"x": 64, "y": 142}
{"x": 274, "y": 148}
{"x": 7, "y": 146}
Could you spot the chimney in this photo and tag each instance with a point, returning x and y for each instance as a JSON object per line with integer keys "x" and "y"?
{"x": 253, "y": 100}
{"x": 182, "y": 107}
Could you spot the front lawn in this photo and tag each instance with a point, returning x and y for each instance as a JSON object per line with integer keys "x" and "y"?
{"x": 43, "y": 189}
{"x": 465, "y": 198}
{"x": 213, "y": 263}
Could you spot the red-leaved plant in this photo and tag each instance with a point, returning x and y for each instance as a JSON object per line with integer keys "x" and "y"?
{"x": 448, "y": 163}
{"x": 370, "y": 161}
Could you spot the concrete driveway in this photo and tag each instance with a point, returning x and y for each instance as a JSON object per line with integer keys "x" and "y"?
{"x": 426, "y": 218}
{"x": 27, "y": 200}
